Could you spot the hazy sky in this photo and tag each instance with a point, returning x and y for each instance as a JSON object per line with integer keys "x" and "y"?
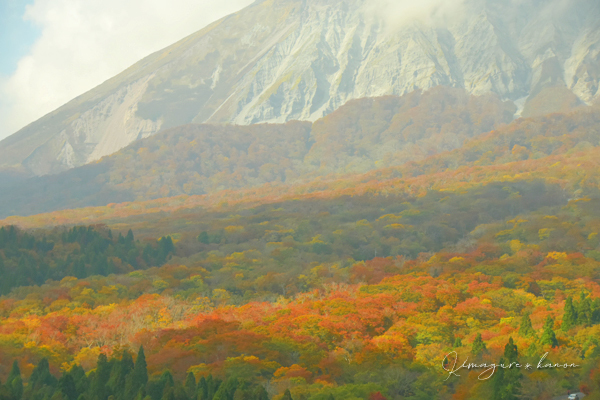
{"x": 55, "y": 50}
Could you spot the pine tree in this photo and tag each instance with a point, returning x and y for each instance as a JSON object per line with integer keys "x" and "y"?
{"x": 140, "y": 370}
{"x": 584, "y": 311}
{"x": 167, "y": 379}
{"x": 526, "y": 328}
{"x": 66, "y": 384}
{"x": 80, "y": 379}
{"x": 98, "y": 387}
{"x": 499, "y": 391}
{"x": 569, "y": 315}
{"x": 457, "y": 343}
{"x": 202, "y": 389}
{"x": 213, "y": 386}
{"x": 478, "y": 345}
{"x": 190, "y": 385}
{"x": 287, "y": 395}
{"x": 168, "y": 393}
{"x": 15, "y": 382}
{"x": 41, "y": 375}
{"x": 227, "y": 390}
{"x": 596, "y": 311}
{"x": 549, "y": 337}
{"x": 507, "y": 380}
{"x": 119, "y": 383}
{"x": 512, "y": 376}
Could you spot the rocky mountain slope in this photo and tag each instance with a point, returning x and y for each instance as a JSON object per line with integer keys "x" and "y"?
{"x": 282, "y": 60}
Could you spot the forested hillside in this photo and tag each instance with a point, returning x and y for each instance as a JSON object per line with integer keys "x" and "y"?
{"x": 560, "y": 149}
{"x": 79, "y": 252}
{"x": 281, "y": 301}
{"x": 347, "y": 297}
{"x": 200, "y": 159}
{"x": 344, "y": 287}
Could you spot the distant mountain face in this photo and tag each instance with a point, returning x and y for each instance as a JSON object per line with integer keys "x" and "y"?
{"x": 282, "y": 60}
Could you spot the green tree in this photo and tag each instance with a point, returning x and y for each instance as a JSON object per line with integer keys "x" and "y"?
{"x": 118, "y": 382}
{"x": 213, "y": 385}
{"x": 512, "y": 376}
{"x": 569, "y": 315}
{"x": 507, "y": 380}
{"x": 98, "y": 387}
{"x": 525, "y": 328}
{"x": 287, "y": 395}
{"x": 478, "y": 345}
{"x": 190, "y": 385}
{"x": 457, "y": 343}
{"x": 80, "y": 379}
{"x": 596, "y": 311}
{"x": 41, "y": 375}
{"x": 584, "y": 311}
{"x": 140, "y": 370}
{"x": 66, "y": 384}
{"x": 549, "y": 337}
{"x": 202, "y": 390}
{"x": 227, "y": 390}
{"x": 15, "y": 382}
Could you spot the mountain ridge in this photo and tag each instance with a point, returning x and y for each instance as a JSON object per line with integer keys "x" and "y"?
{"x": 360, "y": 136}
{"x": 306, "y": 59}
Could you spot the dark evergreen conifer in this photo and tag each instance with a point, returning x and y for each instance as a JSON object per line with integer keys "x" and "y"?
{"x": 584, "y": 311}
{"x": 525, "y": 328}
{"x": 549, "y": 337}
{"x": 15, "y": 382}
{"x": 569, "y": 315}
{"x": 66, "y": 384}
{"x": 190, "y": 384}
{"x": 140, "y": 370}
{"x": 478, "y": 345}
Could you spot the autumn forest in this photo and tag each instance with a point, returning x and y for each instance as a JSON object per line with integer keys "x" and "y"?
{"x": 340, "y": 269}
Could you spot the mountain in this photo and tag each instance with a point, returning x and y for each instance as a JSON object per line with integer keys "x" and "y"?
{"x": 559, "y": 149}
{"x": 362, "y": 135}
{"x": 282, "y": 60}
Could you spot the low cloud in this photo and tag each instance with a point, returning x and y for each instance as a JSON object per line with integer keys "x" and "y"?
{"x": 84, "y": 43}
{"x": 398, "y": 13}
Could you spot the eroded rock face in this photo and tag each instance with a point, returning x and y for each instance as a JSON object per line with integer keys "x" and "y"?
{"x": 280, "y": 60}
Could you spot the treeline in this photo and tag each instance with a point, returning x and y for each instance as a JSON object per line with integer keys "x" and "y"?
{"x": 124, "y": 379}
{"x": 28, "y": 259}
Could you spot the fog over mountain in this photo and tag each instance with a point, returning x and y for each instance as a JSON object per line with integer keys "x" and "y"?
{"x": 282, "y": 60}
